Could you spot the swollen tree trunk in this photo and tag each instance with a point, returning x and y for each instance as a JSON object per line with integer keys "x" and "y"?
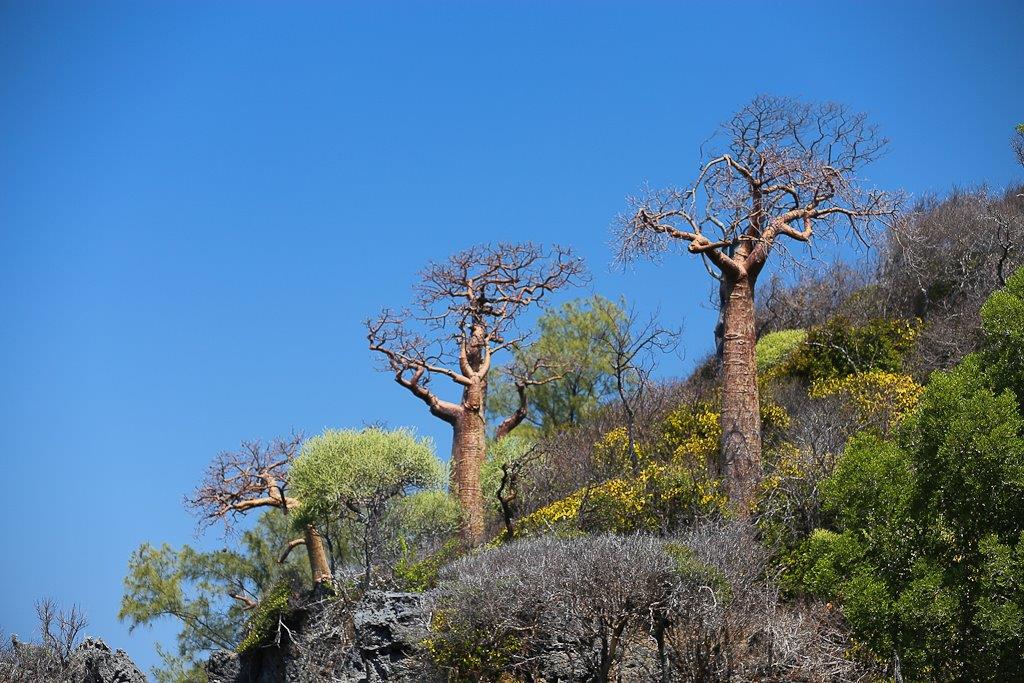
{"x": 740, "y": 453}
{"x": 317, "y": 555}
{"x": 469, "y": 447}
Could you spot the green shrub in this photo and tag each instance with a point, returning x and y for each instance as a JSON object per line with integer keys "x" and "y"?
{"x": 926, "y": 555}
{"x": 1002, "y": 325}
{"x": 776, "y": 347}
{"x": 418, "y": 575}
{"x": 262, "y": 626}
{"x": 838, "y": 348}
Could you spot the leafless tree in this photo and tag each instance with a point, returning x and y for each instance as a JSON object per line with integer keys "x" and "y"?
{"x": 633, "y": 345}
{"x": 60, "y": 629}
{"x": 466, "y": 311}
{"x": 251, "y": 478}
{"x": 508, "y": 488}
{"x": 781, "y": 170}
{"x": 51, "y": 659}
{"x": 943, "y": 260}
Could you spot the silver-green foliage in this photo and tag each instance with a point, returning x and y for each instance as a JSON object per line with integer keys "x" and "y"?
{"x": 359, "y": 477}
{"x": 344, "y": 468}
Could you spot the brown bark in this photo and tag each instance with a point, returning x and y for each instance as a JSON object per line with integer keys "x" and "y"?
{"x": 318, "y": 563}
{"x": 515, "y": 419}
{"x": 469, "y": 448}
{"x": 740, "y": 453}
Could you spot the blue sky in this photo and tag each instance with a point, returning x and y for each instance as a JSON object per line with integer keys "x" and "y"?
{"x": 200, "y": 203}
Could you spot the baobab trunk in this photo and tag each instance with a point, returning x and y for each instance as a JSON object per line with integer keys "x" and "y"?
{"x": 740, "y": 453}
{"x": 469, "y": 446}
{"x": 318, "y": 563}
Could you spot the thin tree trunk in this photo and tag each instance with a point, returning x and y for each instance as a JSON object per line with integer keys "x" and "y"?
{"x": 318, "y": 562}
{"x": 469, "y": 446}
{"x": 740, "y": 457}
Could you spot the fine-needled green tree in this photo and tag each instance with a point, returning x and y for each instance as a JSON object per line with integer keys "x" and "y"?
{"x": 357, "y": 475}
{"x": 208, "y": 593}
{"x": 569, "y": 341}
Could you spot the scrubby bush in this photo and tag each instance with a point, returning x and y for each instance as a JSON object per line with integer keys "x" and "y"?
{"x": 591, "y": 596}
{"x": 747, "y": 632}
{"x": 50, "y": 659}
{"x": 696, "y": 608}
{"x": 359, "y": 478}
{"x": 943, "y": 261}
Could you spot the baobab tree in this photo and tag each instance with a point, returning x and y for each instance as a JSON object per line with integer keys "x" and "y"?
{"x": 779, "y": 170}
{"x": 466, "y": 311}
{"x": 254, "y": 478}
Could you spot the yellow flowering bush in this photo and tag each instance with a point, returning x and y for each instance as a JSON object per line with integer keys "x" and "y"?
{"x": 473, "y": 656}
{"x": 690, "y": 435}
{"x": 611, "y": 453}
{"x": 781, "y": 464}
{"x": 878, "y": 398}
{"x": 660, "y": 496}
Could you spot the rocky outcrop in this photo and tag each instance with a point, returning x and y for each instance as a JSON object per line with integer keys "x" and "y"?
{"x": 378, "y": 640}
{"x": 91, "y": 662}
{"x": 95, "y": 662}
{"x": 389, "y": 628}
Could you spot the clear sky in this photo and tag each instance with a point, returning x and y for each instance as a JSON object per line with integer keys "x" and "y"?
{"x": 200, "y": 203}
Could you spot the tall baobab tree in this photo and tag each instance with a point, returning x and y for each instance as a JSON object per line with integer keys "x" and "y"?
{"x": 466, "y": 311}
{"x": 780, "y": 170}
{"x": 254, "y": 477}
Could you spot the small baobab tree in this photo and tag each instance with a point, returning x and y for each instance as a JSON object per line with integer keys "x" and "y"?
{"x": 254, "y": 478}
{"x": 467, "y": 311}
{"x": 779, "y": 170}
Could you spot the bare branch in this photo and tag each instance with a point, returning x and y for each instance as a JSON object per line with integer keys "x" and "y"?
{"x": 780, "y": 162}
{"x": 253, "y": 476}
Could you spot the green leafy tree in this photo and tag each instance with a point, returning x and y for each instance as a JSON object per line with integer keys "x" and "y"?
{"x": 570, "y": 343}
{"x": 209, "y": 593}
{"x": 357, "y": 476}
{"x": 927, "y": 549}
{"x": 1002, "y": 324}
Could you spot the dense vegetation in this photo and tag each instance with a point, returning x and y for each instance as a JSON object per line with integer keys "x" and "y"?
{"x": 873, "y": 531}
